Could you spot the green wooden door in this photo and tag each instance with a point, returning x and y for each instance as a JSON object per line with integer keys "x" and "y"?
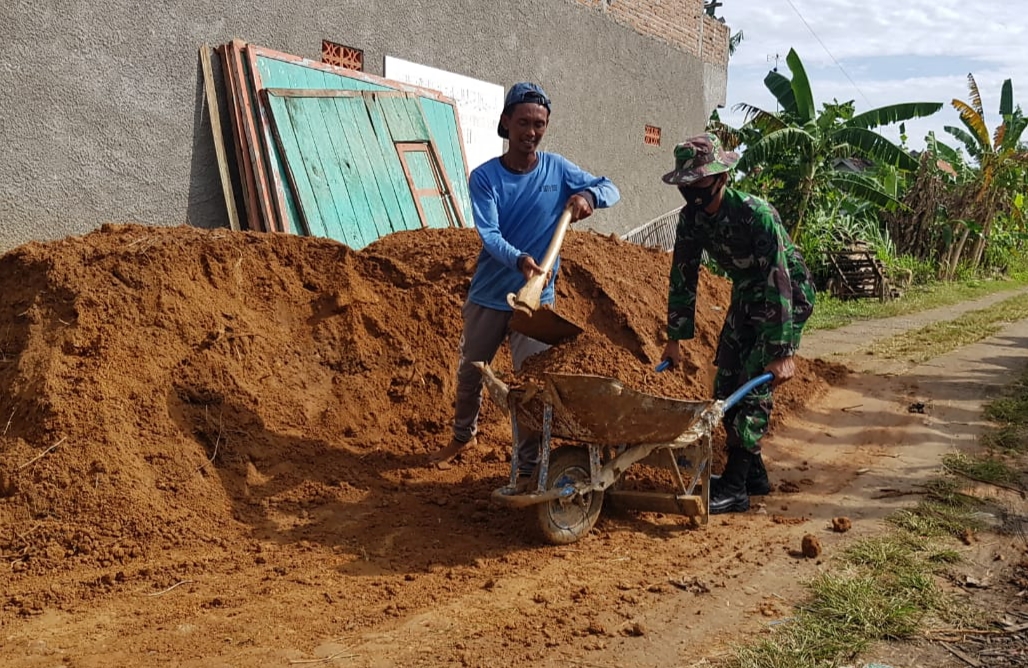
{"x": 413, "y": 117}
{"x": 342, "y": 157}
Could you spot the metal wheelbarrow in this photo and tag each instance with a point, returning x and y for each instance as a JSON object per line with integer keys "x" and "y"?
{"x": 610, "y": 428}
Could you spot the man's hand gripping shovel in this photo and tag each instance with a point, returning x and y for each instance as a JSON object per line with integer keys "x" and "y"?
{"x": 532, "y": 319}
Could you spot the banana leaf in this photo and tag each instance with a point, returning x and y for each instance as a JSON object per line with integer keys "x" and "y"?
{"x": 876, "y": 147}
{"x": 895, "y": 113}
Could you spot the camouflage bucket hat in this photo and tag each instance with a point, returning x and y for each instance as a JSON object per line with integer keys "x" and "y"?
{"x": 699, "y": 157}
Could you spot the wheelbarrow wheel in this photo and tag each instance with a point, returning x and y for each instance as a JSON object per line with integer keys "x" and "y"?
{"x": 564, "y": 521}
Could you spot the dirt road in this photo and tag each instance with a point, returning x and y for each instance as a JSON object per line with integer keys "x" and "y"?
{"x": 843, "y": 456}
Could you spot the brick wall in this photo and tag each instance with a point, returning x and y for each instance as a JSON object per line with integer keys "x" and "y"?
{"x": 715, "y": 41}
{"x": 681, "y": 23}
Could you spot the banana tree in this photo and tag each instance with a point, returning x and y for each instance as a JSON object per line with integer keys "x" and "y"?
{"x": 995, "y": 154}
{"x": 812, "y": 140}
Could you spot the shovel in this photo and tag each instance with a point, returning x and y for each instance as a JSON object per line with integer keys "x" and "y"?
{"x": 530, "y": 318}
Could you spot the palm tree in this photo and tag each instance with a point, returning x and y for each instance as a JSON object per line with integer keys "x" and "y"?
{"x": 812, "y": 140}
{"x": 994, "y": 153}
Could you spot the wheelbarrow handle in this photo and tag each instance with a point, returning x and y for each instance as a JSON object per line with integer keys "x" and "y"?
{"x": 736, "y": 397}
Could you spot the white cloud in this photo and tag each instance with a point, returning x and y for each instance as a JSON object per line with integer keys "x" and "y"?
{"x": 878, "y": 42}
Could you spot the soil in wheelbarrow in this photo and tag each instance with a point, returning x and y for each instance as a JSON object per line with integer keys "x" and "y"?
{"x": 238, "y": 423}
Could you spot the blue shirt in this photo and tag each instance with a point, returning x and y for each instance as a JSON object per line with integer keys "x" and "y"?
{"x": 517, "y": 214}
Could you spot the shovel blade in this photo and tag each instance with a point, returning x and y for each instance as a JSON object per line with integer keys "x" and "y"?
{"x": 544, "y": 324}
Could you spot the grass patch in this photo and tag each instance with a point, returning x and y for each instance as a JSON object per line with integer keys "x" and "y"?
{"x": 986, "y": 468}
{"x": 933, "y": 519}
{"x": 1013, "y": 408}
{"x": 883, "y": 590}
{"x": 1008, "y": 438}
{"x": 831, "y": 313}
{"x": 1011, "y": 412}
{"x": 944, "y": 511}
{"x": 941, "y": 337}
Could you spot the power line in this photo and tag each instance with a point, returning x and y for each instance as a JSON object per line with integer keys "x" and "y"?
{"x": 823, "y": 46}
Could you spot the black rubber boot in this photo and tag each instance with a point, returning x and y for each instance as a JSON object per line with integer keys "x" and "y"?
{"x": 728, "y": 493}
{"x": 757, "y": 483}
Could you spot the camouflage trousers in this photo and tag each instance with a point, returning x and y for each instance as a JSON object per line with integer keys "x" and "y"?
{"x": 741, "y": 356}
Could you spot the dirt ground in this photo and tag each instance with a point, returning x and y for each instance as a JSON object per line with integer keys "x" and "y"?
{"x": 213, "y": 453}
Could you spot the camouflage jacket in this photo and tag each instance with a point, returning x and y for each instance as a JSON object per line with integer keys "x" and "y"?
{"x": 747, "y": 240}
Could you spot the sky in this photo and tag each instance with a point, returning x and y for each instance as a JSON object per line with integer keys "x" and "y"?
{"x": 881, "y": 52}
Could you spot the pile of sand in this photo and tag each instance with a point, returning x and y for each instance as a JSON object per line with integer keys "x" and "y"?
{"x": 177, "y": 387}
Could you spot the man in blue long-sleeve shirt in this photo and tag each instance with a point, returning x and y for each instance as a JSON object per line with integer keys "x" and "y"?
{"x": 516, "y": 200}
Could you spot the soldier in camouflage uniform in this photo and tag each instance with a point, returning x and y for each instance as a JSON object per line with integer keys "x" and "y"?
{"x": 772, "y": 297}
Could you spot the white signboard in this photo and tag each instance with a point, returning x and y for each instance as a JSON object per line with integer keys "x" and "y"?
{"x": 479, "y": 104}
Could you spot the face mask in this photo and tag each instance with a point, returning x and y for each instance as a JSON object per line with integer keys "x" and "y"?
{"x": 699, "y": 198}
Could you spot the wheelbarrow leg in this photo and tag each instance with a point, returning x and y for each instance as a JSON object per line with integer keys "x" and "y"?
{"x": 595, "y": 461}
{"x": 705, "y": 478}
{"x": 676, "y": 471}
{"x": 544, "y": 446}
{"x": 514, "y": 456}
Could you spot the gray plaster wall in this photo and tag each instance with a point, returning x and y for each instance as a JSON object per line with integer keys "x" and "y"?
{"x": 104, "y": 119}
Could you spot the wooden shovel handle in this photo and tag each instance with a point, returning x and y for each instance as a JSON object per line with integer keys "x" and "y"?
{"x": 527, "y": 299}
{"x": 555, "y": 243}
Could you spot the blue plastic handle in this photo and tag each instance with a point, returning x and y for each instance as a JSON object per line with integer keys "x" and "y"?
{"x": 737, "y": 396}
{"x": 663, "y": 366}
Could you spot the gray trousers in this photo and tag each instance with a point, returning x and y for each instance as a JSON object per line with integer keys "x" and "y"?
{"x": 484, "y": 331}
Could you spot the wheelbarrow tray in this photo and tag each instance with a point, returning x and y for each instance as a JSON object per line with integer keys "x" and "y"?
{"x": 601, "y": 410}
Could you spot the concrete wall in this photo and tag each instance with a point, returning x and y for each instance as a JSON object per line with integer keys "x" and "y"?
{"x": 105, "y": 120}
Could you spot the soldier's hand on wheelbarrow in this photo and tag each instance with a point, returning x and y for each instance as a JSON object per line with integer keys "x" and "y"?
{"x": 672, "y": 354}
{"x": 783, "y": 369}
{"x": 672, "y": 358}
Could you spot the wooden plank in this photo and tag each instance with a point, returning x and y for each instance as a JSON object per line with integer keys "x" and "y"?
{"x": 394, "y": 189}
{"x": 963, "y": 656}
{"x": 239, "y": 141}
{"x": 371, "y": 167}
{"x": 284, "y": 222}
{"x": 294, "y": 216}
{"x": 249, "y": 117}
{"x": 398, "y": 118}
{"x": 288, "y": 145}
{"x": 329, "y": 135}
{"x": 658, "y": 502}
{"x": 342, "y": 151}
{"x": 247, "y": 124}
{"x": 346, "y": 149}
{"x": 415, "y": 116}
{"x": 213, "y": 110}
{"x": 311, "y": 142}
{"x": 328, "y": 92}
{"x": 334, "y": 202}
